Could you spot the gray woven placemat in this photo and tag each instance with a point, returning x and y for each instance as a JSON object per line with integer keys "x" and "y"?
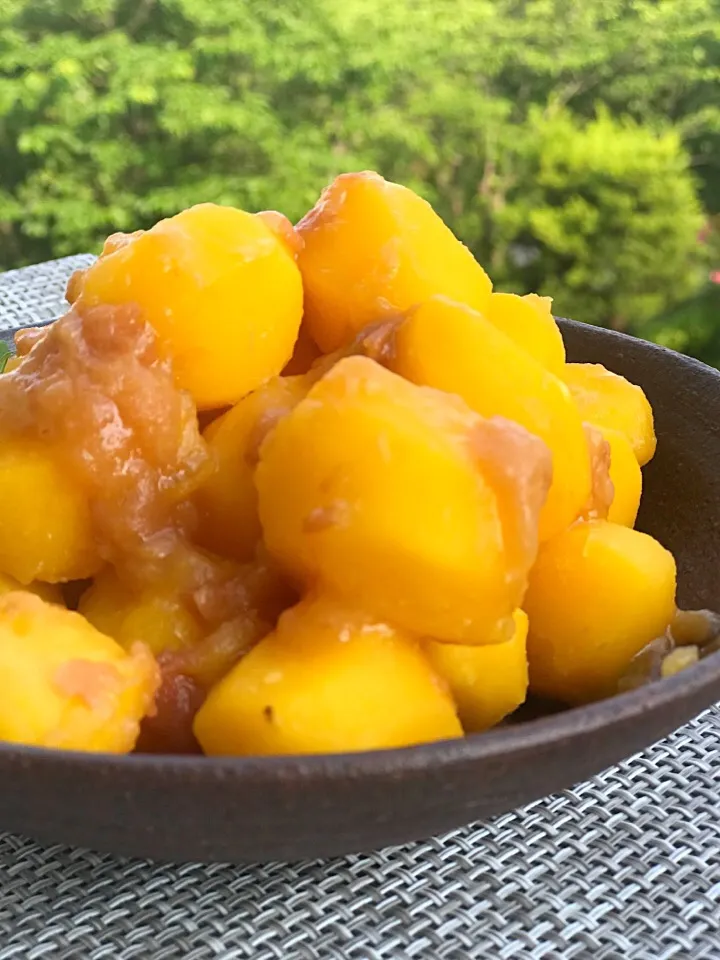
{"x": 625, "y": 867}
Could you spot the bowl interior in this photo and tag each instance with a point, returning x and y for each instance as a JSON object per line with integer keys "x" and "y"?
{"x": 281, "y": 808}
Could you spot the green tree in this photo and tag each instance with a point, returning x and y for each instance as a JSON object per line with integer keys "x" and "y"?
{"x": 608, "y": 206}
{"x": 114, "y": 113}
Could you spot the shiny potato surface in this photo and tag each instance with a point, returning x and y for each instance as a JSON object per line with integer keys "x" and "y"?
{"x": 402, "y": 496}
{"x": 372, "y": 247}
{"x": 318, "y": 489}
{"x": 220, "y": 287}
{"x": 327, "y": 680}
{"x": 65, "y": 684}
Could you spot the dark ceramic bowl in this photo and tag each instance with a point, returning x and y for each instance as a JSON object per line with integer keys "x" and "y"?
{"x": 285, "y": 808}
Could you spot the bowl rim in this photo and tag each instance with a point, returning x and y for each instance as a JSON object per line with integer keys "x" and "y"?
{"x": 695, "y": 682}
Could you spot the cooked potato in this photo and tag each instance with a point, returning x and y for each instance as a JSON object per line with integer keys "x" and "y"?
{"x": 329, "y": 493}
{"x": 611, "y": 402}
{"x": 373, "y": 247}
{"x": 227, "y": 501}
{"x": 447, "y": 345}
{"x": 66, "y": 685}
{"x": 155, "y": 616}
{"x": 598, "y": 593}
{"x": 602, "y": 490}
{"x": 626, "y": 477}
{"x": 327, "y": 680}
{"x": 402, "y": 498}
{"x": 487, "y": 682}
{"x": 221, "y": 289}
{"x": 192, "y": 597}
{"x": 529, "y": 322}
{"x": 45, "y": 524}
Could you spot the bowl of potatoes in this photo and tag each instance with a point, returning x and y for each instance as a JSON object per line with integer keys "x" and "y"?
{"x": 311, "y": 542}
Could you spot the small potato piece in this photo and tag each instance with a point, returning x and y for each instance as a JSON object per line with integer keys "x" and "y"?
{"x": 598, "y": 593}
{"x": 402, "y": 497}
{"x": 626, "y": 477}
{"x": 372, "y": 247}
{"x": 227, "y": 502}
{"x": 609, "y": 401}
{"x": 328, "y": 680}
{"x": 64, "y": 684}
{"x": 156, "y": 616}
{"x": 50, "y": 592}
{"x": 487, "y": 682}
{"x": 45, "y": 524}
{"x": 450, "y": 347}
{"x": 529, "y": 322}
{"x": 679, "y": 659}
{"x": 221, "y": 289}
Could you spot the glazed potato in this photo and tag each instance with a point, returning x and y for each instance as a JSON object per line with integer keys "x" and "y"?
{"x": 194, "y": 596}
{"x": 45, "y": 527}
{"x": 155, "y": 616}
{"x": 598, "y": 593}
{"x": 529, "y": 322}
{"x": 373, "y": 247}
{"x": 448, "y": 346}
{"x": 66, "y": 685}
{"x": 611, "y": 402}
{"x": 227, "y": 501}
{"x": 404, "y": 499}
{"x": 220, "y": 287}
{"x": 198, "y": 619}
{"x": 626, "y": 477}
{"x": 327, "y": 680}
{"x": 602, "y": 490}
{"x": 486, "y": 682}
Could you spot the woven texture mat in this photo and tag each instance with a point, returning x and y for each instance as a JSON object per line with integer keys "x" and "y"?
{"x": 625, "y": 867}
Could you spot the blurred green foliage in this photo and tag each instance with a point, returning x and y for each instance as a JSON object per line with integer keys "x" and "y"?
{"x": 574, "y": 146}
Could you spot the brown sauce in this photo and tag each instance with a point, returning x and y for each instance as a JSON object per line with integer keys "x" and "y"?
{"x": 95, "y": 386}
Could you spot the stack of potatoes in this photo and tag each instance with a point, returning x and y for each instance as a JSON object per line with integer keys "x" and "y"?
{"x": 452, "y": 502}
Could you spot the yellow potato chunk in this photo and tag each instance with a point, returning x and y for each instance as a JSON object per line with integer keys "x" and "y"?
{"x": 328, "y": 680}
{"x": 45, "y": 524}
{"x": 626, "y": 477}
{"x": 611, "y": 402}
{"x": 155, "y": 616}
{"x": 448, "y": 346}
{"x": 598, "y": 593}
{"x": 50, "y": 592}
{"x": 227, "y": 501}
{"x": 529, "y": 322}
{"x": 64, "y": 684}
{"x": 602, "y": 492}
{"x": 403, "y": 498}
{"x": 372, "y": 247}
{"x": 487, "y": 682}
{"x": 220, "y": 287}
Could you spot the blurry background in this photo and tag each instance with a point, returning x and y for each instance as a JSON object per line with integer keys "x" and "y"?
{"x": 574, "y": 145}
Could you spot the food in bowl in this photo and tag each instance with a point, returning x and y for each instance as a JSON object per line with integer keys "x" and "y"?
{"x": 273, "y": 489}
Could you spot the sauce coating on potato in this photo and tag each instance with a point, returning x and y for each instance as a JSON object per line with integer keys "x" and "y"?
{"x": 95, "y": 387}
